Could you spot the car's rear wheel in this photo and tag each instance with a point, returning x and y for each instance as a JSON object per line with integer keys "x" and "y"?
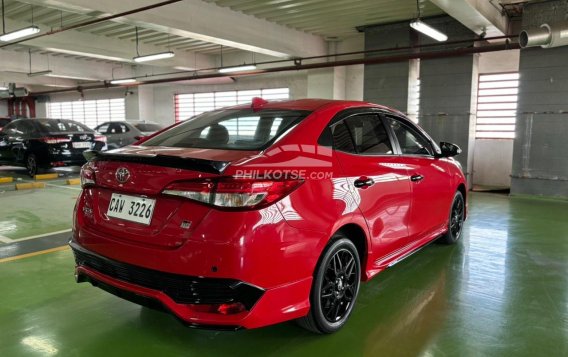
{"x": 31, "y": 165}
{"x": 335, "y": 287}
{"x": 455, "y": 224}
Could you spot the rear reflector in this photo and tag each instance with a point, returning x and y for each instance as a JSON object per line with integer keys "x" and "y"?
{"x": 234, "y": 193}
{"x": 54, "y": 140}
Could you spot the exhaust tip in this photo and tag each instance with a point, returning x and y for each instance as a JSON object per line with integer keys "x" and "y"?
{"x": 523, "y": 39}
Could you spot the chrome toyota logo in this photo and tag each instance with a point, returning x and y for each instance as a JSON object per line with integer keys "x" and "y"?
{"x": 84, "y": 137}
{"x": 122, "y": 174}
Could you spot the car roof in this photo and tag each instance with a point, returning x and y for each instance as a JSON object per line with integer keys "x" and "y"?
{"x": 313, "y": 104}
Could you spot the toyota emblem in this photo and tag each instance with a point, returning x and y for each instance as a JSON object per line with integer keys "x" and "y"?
{"x": 122, "y": 174}
{"x": 84, "y": 137}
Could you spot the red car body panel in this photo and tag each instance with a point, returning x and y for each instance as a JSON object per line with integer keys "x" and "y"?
{"x": 274, "y": 249}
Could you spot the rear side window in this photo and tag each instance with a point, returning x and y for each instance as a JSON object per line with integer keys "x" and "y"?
{"x": 231, "y": 129}
{"x": 362, "y": 134}
{"x": 102, "y": 128}
{"x": 61, "y": 126}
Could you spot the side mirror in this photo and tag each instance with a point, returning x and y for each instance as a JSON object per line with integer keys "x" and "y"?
{"x": 449, "y": 149}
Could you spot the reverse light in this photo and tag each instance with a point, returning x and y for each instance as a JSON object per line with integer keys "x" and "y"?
{"x": 87, "y": 176}
{"x": 234, "y": 193}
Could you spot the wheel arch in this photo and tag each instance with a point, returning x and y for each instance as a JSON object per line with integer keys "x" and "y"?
{"x": 356, "y": 234}
{"x": 463, "y": 190}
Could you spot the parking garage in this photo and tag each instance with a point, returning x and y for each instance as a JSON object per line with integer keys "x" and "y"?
{"x": 447, "y": 195}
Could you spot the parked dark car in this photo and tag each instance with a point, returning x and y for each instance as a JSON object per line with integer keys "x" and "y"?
{"x": 45, "y": 143}
{"x": 122, "y": 133}
{"x": 4, "y": 122}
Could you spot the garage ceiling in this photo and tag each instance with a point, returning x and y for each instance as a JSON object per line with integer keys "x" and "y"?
{"x": 330, "y": 18}
{"x": 21, "y": 11}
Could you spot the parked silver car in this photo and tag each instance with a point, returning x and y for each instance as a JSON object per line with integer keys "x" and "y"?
{"x": 122, "y": 133}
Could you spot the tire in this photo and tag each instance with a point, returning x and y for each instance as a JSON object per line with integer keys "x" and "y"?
{"x": 31, "y": 165}
{"x": 335, "y": 287}
{"x": 455, "y": 223}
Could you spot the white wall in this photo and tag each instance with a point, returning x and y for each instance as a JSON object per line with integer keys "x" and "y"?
{"x": 164, "y": 93}
{"x": 492, "y": 161}
{"x": 493, "y": 158}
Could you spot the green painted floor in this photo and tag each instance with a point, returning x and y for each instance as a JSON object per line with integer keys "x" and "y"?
{"x": 34, "y": 212}
{"x": 502, "y": 291}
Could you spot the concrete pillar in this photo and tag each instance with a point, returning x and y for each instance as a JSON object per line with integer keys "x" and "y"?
{"x": 448, "y": 94}
{"x": 140, "y": 103}
{"x": 327, "y": 83}
{"x": 3, "y": 108}
{"x": 540, "y": 161}
{"x": 387, "y": 83}
{"x": 146, "y": 103}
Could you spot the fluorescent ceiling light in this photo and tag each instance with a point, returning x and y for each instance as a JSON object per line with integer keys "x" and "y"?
{"x": 428, "y": 31}
{"x": 66, "y": 76}
{"x": 3, "y": 88}
{"x": 237, "y": 69}
{"x": 40, "y": 73}
{"x": 14, "y": 35}
{"x": 123, "y": 81}
{"x": 153, "y": 57}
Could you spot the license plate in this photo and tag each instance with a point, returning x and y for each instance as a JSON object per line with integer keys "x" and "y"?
{"x": 131, "y": 208}
{"x": 81, "y": 145}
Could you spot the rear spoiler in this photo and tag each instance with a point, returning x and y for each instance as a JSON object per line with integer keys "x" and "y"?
{"x": 209, "y": 166}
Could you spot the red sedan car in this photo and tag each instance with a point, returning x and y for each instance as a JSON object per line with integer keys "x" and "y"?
{"x": 257, "y": 214}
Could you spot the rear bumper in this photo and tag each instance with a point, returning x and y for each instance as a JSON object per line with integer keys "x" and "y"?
{"x": 187, "y": 296}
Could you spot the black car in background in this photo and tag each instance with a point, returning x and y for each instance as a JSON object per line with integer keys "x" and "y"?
{"x": 46, "y": 143}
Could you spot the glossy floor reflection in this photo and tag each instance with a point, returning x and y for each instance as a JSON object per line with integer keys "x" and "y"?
{"x": 502, "y": 291}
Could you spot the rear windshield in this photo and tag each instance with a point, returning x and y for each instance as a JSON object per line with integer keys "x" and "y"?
{"x": 61, "y": 126}
{"x": 230, "y": 129}
{"x": 146, "y": 127}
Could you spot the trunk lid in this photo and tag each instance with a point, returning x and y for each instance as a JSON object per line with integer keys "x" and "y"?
{"x": 150, "y": 170}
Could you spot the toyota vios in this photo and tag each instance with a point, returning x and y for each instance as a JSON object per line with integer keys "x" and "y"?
{"x": 256, "y": 214}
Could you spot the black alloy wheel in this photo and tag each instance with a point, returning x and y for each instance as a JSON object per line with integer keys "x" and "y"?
{"x": 457, "y": 216}
{"x": 335, "y": 287}
{"x": 31, "y": 165}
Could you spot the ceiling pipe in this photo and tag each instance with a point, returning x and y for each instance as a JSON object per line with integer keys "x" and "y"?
{"x": 457, "y": 52}
{"x": 95, "y": 21}
{"x": 363, "y": 52}
{"x": 545, "y": 36}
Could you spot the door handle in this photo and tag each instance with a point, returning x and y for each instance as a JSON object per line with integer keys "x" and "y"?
{"x": 416, "y": 178}
{"x": 363, "y": 182}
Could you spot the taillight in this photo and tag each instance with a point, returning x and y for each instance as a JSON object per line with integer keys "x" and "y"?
{"x": 101, "y": 138}
{"x": 234, "y": 193}
{"x": 87, "y": 175}
{"x": 54, "y": 140}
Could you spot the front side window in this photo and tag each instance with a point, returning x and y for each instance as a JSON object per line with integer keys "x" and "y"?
{"x": 243, "y": 129}
{"x": 410, "y": 141}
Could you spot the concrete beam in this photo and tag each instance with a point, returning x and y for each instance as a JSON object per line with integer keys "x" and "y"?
{"x": 206, "y": 22}
{"x": 67, "y": 72}
{"x": 477, "y": 15}
{"x": 112, "y": 49}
